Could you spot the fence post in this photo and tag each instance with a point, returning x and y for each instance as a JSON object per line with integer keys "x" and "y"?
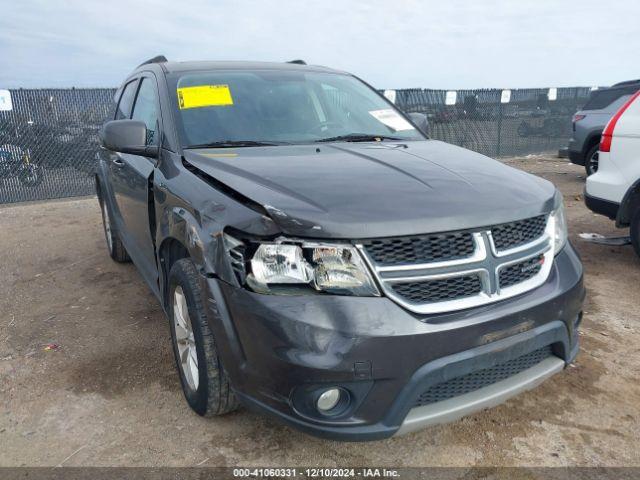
{"x": 499, "y": 127}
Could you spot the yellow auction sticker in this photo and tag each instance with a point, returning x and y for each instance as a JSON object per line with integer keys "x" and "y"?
{"x": 204, "y": 96}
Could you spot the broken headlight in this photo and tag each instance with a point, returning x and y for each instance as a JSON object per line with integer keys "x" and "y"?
{"x": 289, "y": 267}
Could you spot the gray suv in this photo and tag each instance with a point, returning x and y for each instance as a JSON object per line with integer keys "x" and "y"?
{"x": 321, "y": 260}
{"x": 589, "y": 122}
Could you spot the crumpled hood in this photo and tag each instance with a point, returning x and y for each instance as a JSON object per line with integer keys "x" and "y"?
{"x": 356, "y": 190}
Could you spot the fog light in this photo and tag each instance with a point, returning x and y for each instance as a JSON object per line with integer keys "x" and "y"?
{"x": 328, "y": 399}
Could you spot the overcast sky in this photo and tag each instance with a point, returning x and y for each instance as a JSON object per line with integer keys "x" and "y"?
{"x": 392, "y": 44}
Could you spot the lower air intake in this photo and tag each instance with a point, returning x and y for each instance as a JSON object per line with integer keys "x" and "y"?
{"x": 482, "y": 378}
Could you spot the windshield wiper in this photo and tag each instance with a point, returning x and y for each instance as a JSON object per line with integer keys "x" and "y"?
{"x": 236, "y": 143}
{"x": 358, "y": 137}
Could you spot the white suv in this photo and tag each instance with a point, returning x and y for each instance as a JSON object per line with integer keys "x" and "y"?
{"x": 614, "y": 190}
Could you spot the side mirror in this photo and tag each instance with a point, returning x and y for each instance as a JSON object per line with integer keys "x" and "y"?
{"x": 127, "y": 136}
{"x": 421, "y": 121}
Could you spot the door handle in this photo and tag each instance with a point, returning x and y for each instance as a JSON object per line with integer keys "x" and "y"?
{"x": 118, "y": 161}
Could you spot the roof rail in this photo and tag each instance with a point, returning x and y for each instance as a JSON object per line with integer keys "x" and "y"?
{"x": 156, "y": 59}
{"x": 628, "y": 82}
{"x": 297, "y": 62}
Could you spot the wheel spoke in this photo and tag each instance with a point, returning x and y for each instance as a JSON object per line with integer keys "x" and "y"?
{"x": 188, "y": 375}
{"x": 184, "y": 309}
{"x": 193, "y": 368}
{"x": 179, "y": 309}
{"x": 193, "y": 354}
{"x": 183, "y": 350}
{"x": 182, "y": 333}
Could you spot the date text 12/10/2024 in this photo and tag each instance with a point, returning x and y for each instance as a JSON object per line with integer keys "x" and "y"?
{"x": 315, "y": 472}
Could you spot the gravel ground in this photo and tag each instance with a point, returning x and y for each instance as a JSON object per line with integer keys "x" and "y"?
{"x": 109, "y": 395}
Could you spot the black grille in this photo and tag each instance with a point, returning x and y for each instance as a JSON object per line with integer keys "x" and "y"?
{"x": 237, "y": 257}
{"x": 439, "y": 290}
{"x": 519, "y": 272}
{"x": 420, "y": 249}
{"x": 514, "y": 234}
{"x": 482, "y": 378}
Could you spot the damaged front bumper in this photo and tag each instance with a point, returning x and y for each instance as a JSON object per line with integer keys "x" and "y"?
{"x": 399, "y": 371}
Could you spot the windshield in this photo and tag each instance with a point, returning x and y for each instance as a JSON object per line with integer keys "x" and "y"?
{"x": 282, "y": 107}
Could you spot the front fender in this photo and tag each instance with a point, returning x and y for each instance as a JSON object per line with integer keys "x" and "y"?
{"x": 203, "y": 241}
{"x": 194, "y": 210}
{"x": 179, "y": 224}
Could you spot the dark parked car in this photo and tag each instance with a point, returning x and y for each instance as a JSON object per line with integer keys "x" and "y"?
{"x": 589, "y": 122}
{"x": 321, "y": 260}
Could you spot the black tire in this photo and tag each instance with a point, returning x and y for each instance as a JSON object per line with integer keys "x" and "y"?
{"x": 213, "y": 395}
{"x": 114, "y": 245}
{"x": 591, "y": 160}
{"x": 635, "y": 231}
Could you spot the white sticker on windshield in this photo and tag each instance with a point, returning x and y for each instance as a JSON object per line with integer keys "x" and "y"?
{"x": 391, "y": 119}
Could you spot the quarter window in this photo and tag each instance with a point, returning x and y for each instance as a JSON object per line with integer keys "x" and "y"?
{"x": 126, "y": 100}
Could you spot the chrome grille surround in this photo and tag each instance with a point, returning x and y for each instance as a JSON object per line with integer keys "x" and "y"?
{"x": 486, "y": 262}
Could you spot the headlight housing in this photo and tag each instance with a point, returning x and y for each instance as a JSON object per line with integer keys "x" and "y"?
{"x": 289, "y": 267}
{"x": 558, "y": 229}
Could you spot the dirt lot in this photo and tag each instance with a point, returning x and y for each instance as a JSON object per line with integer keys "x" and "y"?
{"x": 109, "y": 394}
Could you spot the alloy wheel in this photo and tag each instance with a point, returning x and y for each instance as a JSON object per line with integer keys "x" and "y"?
{"x": 185, "y": 340}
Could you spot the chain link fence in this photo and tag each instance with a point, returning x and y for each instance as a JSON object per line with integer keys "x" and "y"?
{"x": 498, "y": 123}
{"x": 49, "y": 137}
{"x": 48, "y": 142}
